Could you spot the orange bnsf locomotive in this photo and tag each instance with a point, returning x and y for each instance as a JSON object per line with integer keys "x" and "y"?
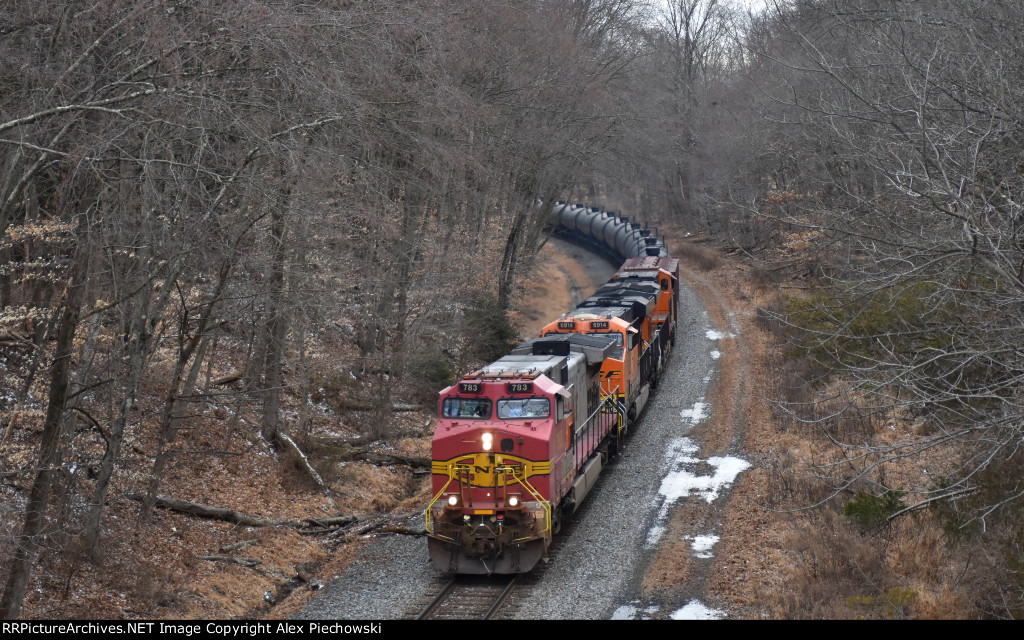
{"x": 520, "y": 442}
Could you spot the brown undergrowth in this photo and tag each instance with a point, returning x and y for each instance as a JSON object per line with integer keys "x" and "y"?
{"x": 790, "y": 546}
{"x": 183, "y": 566}
{"x": 823, "y": 543}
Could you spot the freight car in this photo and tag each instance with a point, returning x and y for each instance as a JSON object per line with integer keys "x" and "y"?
{"x": 521, "y": 442}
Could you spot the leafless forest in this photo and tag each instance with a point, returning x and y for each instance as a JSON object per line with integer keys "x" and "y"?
{"x": 225, "y": 224}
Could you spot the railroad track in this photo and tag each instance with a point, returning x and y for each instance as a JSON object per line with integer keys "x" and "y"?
{"x": 469, "y": 598}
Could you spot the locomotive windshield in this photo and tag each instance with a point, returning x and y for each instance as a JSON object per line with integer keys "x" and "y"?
{"x": 524, "y": 408}
{"x": 474, "y": 408}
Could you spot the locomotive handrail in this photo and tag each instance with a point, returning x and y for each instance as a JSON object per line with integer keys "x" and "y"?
{"x": 451, "y": 476}
{"x": 604, "y": 400}
{"x": 620, "y": 409}
{"x": 536, "y": 496}
{"x": 454, "y": 468}
{"x": 584, "y": 433}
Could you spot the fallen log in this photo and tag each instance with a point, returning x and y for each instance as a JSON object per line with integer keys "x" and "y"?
{"x": 366, "y": 528}
{"x": 245, "y": 562}
{"x": 405, "y": 531}
{"x": 305, "y": 464}
{"x": 357, "y": 405}
{"x": 230, "y": 515}
{"x": 238, "y": 546}
{"x": 345, "y": 452}
{"x": 10, "y": 335}
{"x": 234, "y": 376}
{"x": 327, "y": 523}
{"x": 389, "y": 458}
{"x": 380, "y": 525}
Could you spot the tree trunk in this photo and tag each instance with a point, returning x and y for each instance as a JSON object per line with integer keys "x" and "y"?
{"x": 278, "y": 326}
{"x": 139, "y": 348}
{"x": 506, "y": 277}
{"x": 142, "y": 327}
{"x": 173, "y": 403}
{"x": 49, "y": 450}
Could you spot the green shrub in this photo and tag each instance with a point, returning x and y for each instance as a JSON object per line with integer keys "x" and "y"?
{"x": 429, "y": 372}
{"x": 870, "y": 512}
{"x": 897, "y": 600}
{"x": 488, "y": 330}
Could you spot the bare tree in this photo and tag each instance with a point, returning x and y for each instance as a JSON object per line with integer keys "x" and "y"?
{"x": 901, "y": 127}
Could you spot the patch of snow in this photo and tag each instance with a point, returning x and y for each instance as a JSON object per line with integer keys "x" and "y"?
{"x": 696, "y": 414}
{"x": 702, "y": 545}
{"x": 716, "y": 354}
{"x": 681, "y": 481}
{"x": 654, "y": 535}
{"x": 718, "y": 335}
{"x": 680, "y": 449}
{"x": 695, "y": 610}
{"x": 631, "y": 612}
{"x": 625, "y": 612}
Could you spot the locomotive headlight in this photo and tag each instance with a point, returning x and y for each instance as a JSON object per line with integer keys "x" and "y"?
{"x": 513, "y": 501}
{"x": 453, "y": 500}
{"x": 488, "y": 441}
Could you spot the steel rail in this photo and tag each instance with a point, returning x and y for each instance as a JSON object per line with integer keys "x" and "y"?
{"x": 468, "y": 592}
{"x": 436, "y": 601}
{"x": 500, "y": 600}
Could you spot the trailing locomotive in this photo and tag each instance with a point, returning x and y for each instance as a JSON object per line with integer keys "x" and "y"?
{"x": 520, "y": 442}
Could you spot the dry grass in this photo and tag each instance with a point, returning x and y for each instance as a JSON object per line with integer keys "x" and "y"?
{"x": 911, "y": 568}
{"x": 698, "y": 256}
{"x": 367, "y": 487}
{"x": 911, "y": 571}
{"x": 762, "y": 279}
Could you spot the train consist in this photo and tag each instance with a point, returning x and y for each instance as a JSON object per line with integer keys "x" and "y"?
{"x": 520, "y": 442}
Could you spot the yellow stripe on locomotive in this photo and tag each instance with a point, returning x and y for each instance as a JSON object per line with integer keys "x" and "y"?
{"x": 482, "y": 468}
